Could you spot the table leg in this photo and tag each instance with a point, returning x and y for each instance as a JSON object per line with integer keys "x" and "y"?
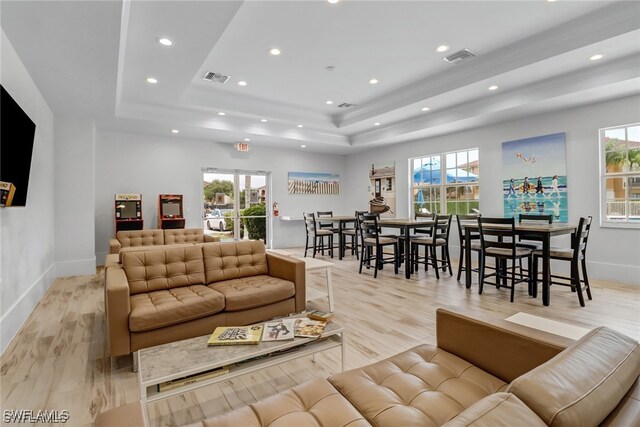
{"x": 329, "y": 288}
{"x": 546, "y": 243}
{"x": 467, "y": 259}
{"x": 340, "y": 239}
{"x": 407, "y": 258}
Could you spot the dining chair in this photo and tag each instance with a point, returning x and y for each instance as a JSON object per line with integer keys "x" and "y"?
{"x": 353, "y": 235}
{"x": 576, "y": 255}
{"x": 437, "y": 238}
{"x": 373, "y": 245}
{"x": 326, "y": 225}
{"x": 474, "y": 236}
{"x": 531, "y": 241}
{"x": 417, "y": 232}
{"x": 498, "y": 240}
{"x": 316, "y": 235}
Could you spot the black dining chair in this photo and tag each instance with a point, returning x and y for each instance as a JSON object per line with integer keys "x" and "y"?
{"x": 474, "y": 236}
{"x": 316, "y": 236}
{"x": 373, "y": 245}
{"x": 531, "y": 241}
{"x": 576, "y": 255}
{"x": 438, "y": 237}
{"x": 498, "y": 240}
{"x": 327, "y": 225}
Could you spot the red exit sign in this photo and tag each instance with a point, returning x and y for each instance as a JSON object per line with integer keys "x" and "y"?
{"x": 242, "y": 146}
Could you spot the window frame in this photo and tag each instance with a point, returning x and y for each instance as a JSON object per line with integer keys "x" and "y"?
{"x": 443, "y": 185}
{"x": 602, "y": 159}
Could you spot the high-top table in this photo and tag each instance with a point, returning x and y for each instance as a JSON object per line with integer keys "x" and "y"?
{"x": 405, "y": 224}
{"x": 543, "y": 231}
{"x": 342, "y": 220}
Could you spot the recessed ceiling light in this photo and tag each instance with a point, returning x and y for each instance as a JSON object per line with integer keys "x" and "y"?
{"x": 165, "y": 42}
{"x": 303, "y": 146}
{"x": 373, "y": 81}
{"x": 333, "y": 1}
{"x": 425, "y": 108}
{"x": 152, "y": 80}
{"x": 596, "y": 57}
{"x": 551, "y": 1}
{"x": 494, "y": 87}
{"x": 222, "y": 113}
{"x": 274, "y": 51}
{"x": 175, "y": 131}
{"x": 376, "y": 124}
{"x": 329, "y": 102}
{"x": 264, "y": 120}
{"x": 442, "y": 48}
{"x": 247, "y": 139}
{"x": 242, "y": 83}
{"x": 300, "y": 126}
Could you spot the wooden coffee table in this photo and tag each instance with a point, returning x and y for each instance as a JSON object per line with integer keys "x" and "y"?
{"x": 192, "y": 356}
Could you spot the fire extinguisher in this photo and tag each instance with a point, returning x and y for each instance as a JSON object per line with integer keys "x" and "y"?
{"x": 276, "y": 212}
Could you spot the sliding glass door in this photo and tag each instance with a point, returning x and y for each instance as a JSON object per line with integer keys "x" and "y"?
{"x": 235, "y": 204}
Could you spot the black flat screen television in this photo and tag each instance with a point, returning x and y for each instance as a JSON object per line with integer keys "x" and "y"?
{"x": 17, "y": 131}
{"x": 128, "y": 209}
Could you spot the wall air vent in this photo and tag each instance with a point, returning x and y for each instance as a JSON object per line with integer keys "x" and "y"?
{"x": 215, "y": 77}
{"x": 459, "y": 56}
{"x": 346, "y": 105}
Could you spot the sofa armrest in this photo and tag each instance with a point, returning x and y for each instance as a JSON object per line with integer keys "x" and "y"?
{"x": 131, "y": 414}
{"x": 504, "y": 349}
{"x": 114, "y": 246}
{"x": 117, "y": 307}
{"x": 293, "y": 270}
{"x": 209, "y": 238}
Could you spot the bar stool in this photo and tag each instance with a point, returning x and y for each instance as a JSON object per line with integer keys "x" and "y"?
{"x": 326, "y": 226}
{"x": 576, "y": 255}
{"x": 475, "y": 246}
{"x": 317, "y": 236}
{"x": 438, "y": 238}
{"x": 531, "y": 241}
{"x": 371, "y": 239}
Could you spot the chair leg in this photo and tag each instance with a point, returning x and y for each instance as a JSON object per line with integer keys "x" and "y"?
{"x": 575, "y": 280}
{"x": 434, "y": 255}
{"x": 586, "y": 278}
{"x": 361, "y": 261}
{"x": 377, "y": 263}
{"x": 315, "y": 245}
{"x": 460, "y": 261}
{"x": 446, "y": 249}
{"x": 396, "y": 258}
{"x": 331, "y": 245}
{"x": 513, "y": 278}
{"x": 534, "y": 277}
{"x": 483, "y": 260}
{"x": 306, "y": 246}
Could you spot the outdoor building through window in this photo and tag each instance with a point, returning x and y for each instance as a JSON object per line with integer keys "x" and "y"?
{"x": 620, "y": 176}
{"x": 445, "y": 183}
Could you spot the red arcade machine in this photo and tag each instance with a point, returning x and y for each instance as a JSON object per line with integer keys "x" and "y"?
{"x": 170, "y": 211}
{"x": 128, "y": 212}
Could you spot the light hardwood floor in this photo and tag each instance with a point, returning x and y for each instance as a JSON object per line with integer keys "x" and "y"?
{"x": 59, "y": 358}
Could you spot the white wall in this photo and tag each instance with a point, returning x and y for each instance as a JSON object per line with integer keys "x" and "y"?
{"x": 27, "y": 233}
{"x": 75, "y": 197}
{"x": 152, "y": 165}
{"x": 613, "y": 254}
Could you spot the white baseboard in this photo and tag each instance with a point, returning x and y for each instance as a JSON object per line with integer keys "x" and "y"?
{"x": 619, "y": 273}
{"x": 76, "y": 267}
{"x": 100, "y": 258}
{"x": 17, "y": 314}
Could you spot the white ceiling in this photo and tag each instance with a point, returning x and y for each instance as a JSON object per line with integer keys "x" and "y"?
{"x": 91, "y": 59}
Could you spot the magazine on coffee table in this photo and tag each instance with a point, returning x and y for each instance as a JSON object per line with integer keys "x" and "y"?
{"x": 232, "y": 335}
{"x": 280, "y": 330}
{"x": 309, "y": 328}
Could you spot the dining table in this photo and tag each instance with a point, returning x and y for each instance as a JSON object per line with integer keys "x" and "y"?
{"x": 406, "y": 225}
{"x": 342, "y": 221}
{"x": 544, "y": 232}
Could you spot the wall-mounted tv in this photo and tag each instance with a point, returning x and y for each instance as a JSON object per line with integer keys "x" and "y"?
{"x": 17, "y": 131}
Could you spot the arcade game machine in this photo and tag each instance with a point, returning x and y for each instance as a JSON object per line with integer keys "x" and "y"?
{"x": 128, "y": 212}
{"x": 170, "y": 211}
{"x": 7, "y": 190}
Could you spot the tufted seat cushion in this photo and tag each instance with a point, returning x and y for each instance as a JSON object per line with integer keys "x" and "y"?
{"x": 157, "y": 309}
{"x": 185, "y": 235}
{"x": 428, "y": 241}
{"x": 520, "y": 252}
{"x": 149, "y": 248}
{"x": 140, "y": 238}
{"x": 566, "y": 253}
{"x": 497, "y": 410}
{"x": 424, "y": 386}
{"x": 312, "y": 404}
{"x": 254, "y": 291}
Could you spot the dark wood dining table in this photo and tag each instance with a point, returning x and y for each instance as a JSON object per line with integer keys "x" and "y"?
{"x": 406, "y": 225}
{"x": 544, "y": 231}
{"x": 342, "y": 221}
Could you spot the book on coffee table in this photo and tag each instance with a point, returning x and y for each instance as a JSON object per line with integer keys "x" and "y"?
{"x": 322, "y": 316}
{"x": 232, "y": 335}
{"x": 280, "y": 330}
{"x": 309, "y": 328}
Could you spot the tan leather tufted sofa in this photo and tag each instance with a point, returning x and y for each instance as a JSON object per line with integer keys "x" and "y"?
{"x": 183, "y": 291}
{"x": 136, "y": 240}
{"x": 484, "y": 372}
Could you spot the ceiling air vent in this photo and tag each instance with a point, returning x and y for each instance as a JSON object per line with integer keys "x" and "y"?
{"x": 459, "y": 56}
{"x": 346, "y": 105}
{"x": 215, "y": 77}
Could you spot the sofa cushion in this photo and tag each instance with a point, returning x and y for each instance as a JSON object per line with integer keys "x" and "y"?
{"x": 312, "y": 404}
{"x": 149, "y": 271}
{"x": 157, "y": 309}
{"x": 183, "y": 235}
{"x": 149, "y": 248}
{"x": 255, "y": 291}
{"x": 584, "y": 383}
{"x": 497, "y": 410}
{"x": 628, "y": 410}
{"x": 423, "y": 386}
{"x": 233, "y": 260}
{"x": 140, "y": 238}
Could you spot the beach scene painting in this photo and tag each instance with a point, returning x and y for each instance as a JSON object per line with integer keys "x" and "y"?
{"x": 314, "y": 183}
{"x": 534, "y": 177}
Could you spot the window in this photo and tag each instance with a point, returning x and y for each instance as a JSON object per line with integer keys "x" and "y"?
{"x": 620, "y": 175}
{"x": 445, "y": 183}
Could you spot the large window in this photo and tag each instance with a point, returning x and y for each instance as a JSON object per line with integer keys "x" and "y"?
{"x": 620, "y": 175}
{"x": 445, "y": 183}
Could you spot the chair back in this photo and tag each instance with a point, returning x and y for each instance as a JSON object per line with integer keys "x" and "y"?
{"x": 441, "y": 227}
{"x": 467, "y": 219}
{"x": 310, "y": 223}
{"x": 325, "y": 214}
{"x": 497, "y": 233}
{"x": 423, "y": 216}
{"x": 532, "y": 219}
{"x": 368, "y": 224}
{"x": 580, "y": 238}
